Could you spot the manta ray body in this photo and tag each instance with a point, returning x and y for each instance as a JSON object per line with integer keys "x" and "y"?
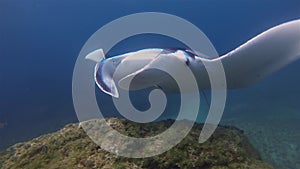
{"x": 243, "y": 66}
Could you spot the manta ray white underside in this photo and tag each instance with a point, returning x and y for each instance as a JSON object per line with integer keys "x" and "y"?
{"x": 245, "y": 65}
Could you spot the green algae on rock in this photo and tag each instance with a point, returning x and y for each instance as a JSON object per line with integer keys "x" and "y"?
{"x": 71, "y": 148}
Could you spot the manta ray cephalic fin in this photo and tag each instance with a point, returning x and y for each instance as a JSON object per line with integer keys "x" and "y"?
{"x": 96, "y": 55}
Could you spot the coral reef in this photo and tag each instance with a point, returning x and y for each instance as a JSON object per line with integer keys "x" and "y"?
{"x": 71, "y": 148}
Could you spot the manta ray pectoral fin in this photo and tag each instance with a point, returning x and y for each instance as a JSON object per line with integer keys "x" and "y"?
{"x": 262, "y": 55}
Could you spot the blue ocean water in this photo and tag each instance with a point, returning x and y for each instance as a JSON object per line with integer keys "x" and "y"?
{"x": 40, "y": 41}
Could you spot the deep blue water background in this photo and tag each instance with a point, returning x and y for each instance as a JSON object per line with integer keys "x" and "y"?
{"x": 40, "y": 41}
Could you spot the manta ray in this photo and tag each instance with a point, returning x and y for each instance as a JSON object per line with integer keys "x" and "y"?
{"x": 254, "y": 60}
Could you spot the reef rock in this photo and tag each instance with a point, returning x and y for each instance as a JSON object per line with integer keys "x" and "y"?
{"x": 71, "y": 148}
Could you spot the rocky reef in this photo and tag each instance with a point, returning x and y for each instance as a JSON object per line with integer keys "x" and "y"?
{"x": 71, "y": 148}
